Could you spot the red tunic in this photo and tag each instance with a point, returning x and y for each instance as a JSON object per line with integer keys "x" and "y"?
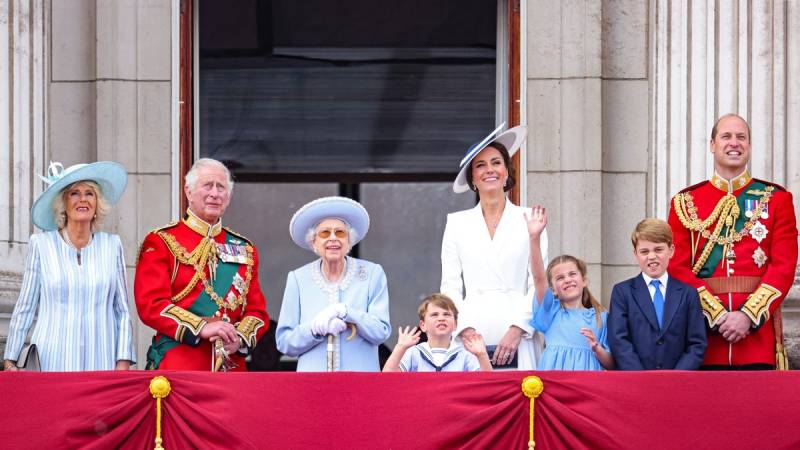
{"x": 163, "y": 304}
{"x": 772, "y": 269}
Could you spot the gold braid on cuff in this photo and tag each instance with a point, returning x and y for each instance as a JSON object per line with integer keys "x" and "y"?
{"x": 757, "y": 305}
{"x": 712, "y": 307}
{"x": 248, "y": 328}
{"x": 185, "y": 319}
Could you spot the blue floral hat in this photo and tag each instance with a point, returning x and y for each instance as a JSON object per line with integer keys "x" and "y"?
{"x": 511, "y": 139}
{"x": 110, "y": 176}
{"x": 312, "y": 213}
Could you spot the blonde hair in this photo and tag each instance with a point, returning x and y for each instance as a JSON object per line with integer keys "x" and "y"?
{"x": 60, "y": 204}
{"x": 653, "y": 230}
{"x": 440, "y": 300}
{"x": 587, "y": 299}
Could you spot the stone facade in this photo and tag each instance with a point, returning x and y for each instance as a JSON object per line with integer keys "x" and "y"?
{"x": 619, "y": 96}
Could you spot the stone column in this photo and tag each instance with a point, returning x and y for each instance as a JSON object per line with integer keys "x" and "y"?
{"x": 626, "y": 157}
{"x": 587, "y": 103}
{"x": 23, "y": 71}
{"x": 132, "y": 112}
{"x": 563, "y": 105}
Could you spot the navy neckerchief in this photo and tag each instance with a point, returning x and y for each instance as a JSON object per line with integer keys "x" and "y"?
{"x": 439, "y": 368}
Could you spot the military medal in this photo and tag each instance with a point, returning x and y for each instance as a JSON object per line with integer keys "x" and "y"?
{"x": 758, "y": 232}
{"x": 759, "y": 257}
{"x": 749, "y": 207}
{"x": 230, "y": 253}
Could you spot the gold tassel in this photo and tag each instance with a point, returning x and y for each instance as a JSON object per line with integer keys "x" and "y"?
{"x": 781, "y": 360}
{"x": 159, "y": 388}
{"x": 532, "y": 387}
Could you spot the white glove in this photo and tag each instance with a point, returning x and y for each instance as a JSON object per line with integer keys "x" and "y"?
{"x": 336, "y": 326}
{"x": 319, "y": 325}
{"x": 341, "y": 310}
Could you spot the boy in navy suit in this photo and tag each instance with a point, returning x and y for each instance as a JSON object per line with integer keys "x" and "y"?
{"x": 655, "y": 321}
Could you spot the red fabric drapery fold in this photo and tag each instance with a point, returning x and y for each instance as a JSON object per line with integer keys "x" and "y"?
{"x": 614, "y": 410}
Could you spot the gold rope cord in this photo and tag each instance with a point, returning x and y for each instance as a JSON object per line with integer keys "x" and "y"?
{"x": 198, "y": 258}
{"x": 532, "y": 387}
{"x": 159, "y": 388}
{"x": 725, "y": 214}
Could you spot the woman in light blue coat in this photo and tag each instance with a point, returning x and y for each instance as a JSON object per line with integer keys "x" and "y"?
{"x": 335, "y": 310}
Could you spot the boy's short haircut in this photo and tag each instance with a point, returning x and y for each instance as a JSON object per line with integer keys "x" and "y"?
{"x": 440, "y": 300}
{"x": 653, "y": 230}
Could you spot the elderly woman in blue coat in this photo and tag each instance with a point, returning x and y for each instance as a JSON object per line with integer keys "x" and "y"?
{"x": 335, "y": 310}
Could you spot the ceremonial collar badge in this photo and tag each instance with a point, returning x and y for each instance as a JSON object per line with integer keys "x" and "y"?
{"x": 200, "y": 226}
{"x": 733, "y": 184}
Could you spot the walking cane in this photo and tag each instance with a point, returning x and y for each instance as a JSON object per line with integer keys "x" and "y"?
{"x": 330, "y": 353}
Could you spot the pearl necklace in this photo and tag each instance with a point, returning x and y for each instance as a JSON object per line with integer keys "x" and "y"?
{"x": 65, "y": 235}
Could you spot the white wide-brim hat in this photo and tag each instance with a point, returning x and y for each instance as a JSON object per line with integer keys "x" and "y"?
{"x": 511, "y": 139}
{"x": 312, "y": 213}
{"x": 110, "y": 176}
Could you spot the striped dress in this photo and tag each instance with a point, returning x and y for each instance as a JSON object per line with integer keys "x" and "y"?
{"x": 83, "y": 321}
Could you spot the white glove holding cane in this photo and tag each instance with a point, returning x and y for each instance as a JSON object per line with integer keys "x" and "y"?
{"x": 321, "y": 324}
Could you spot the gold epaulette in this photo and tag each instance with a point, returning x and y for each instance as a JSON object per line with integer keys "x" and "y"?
{"x": 169, "y": 225}
{"x": 238, "y": 235}
{"x": 247, "y": 330}
{"x": 693, "y": 187}
{"x": 757, "y": 305}
{"x": 711, "y": 306}
{"x": 771, "y": 184}
{"x": 154, "y": 231}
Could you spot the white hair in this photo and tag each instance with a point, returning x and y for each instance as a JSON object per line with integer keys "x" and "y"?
{"x": 191, "y": 176}
{"x": 311, "y": 234}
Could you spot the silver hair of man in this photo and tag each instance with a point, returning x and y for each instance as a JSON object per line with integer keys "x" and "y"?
{"x": 311, "y": 234}
{"x": 60, "y": 205}
{"x": 192, "y": 174}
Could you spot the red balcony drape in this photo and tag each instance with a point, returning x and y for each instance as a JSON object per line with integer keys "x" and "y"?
{"x": 613, "y": 410}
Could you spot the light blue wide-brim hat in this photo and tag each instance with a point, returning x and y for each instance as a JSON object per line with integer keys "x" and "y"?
{"x": 312, "y": 213}
{"x": 110, "y": 176}
{"x": 511, "y": 139}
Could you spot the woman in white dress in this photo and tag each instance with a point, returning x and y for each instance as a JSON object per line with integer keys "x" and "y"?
{"x": 74, "y": 280}
{"x": 485, "y": 255}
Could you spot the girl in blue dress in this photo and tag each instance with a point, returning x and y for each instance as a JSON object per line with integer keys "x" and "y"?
{"x": 572, "y": 320}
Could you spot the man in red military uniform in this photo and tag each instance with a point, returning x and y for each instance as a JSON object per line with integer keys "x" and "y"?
{"x": 197, "y": 283}
{"x": 736, "y": 242}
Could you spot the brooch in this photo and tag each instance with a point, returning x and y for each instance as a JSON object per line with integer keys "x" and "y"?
{"x": 362, "y": 273}
{"x": 759, "y": 257}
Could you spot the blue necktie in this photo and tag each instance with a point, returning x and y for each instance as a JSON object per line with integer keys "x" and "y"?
{"x": 658, "y": 302}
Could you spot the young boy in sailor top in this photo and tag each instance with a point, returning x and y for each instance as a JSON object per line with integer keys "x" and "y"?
{"x": 437, "y": 318}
